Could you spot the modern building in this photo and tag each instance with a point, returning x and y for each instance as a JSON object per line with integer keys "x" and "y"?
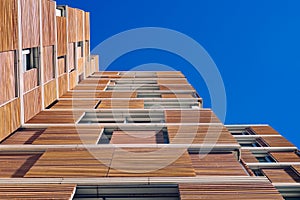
{"x": 69, "y": 131}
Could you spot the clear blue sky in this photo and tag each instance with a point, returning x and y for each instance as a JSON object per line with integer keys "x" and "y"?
{"x": 255, "y": 44}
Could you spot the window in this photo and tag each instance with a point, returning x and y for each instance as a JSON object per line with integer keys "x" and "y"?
{"x": 31, "y": 58}
{"x": 257, "y": 172}
{"x": 60, "y": 11}
{"x": 264, "y": 158}
{"x": 171, "y": 103}
{"x": 249, "y": 144}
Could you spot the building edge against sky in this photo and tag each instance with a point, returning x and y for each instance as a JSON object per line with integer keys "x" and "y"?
{"x": 69, "y": 131}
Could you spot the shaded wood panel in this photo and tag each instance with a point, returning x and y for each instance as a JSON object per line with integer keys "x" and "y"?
{"x": 87, "y": 25}
{"x": 30, "y": 79}
{"x": 175, "y": 87}
{"x": 137, "y": 137}
{"x": 170, "y": 74}
{"x": 71, "y": 163}
{"x": 296, "y": 168}
{"x": 73, "y": 79}
{"x": 49, "y": 93}
{"x": 61, "y": 62}
{"x": 162, "y": 81}
{"x": 30, "y": 23}
{"x": 99, "y": 95}
{"x": 119, "y": 104}
{"x": 7, "y": 76}
{"x": 229, "y": 190}
{"x": 89, "y": 87}
{"x": 191, "y": 116}
{"x": 285, "y": 156}
{"x": 80, "y": 64}
{"x": 48, "y": 26}
{"x": 80, "y": 27}
{"x": 61, "y": 36}
{"x": 72, "y": 25}
{"x": 48, "y": 63}
{"x": 217, "y": 164}
{"x": 23, "y": 136}
{"x": 37, "y": 191}
{"x": 286, "y": 175}
{"x": 263, "y": 130}
{"x": 277, "y": 142}
{"x": 16, "y": 164}
{"x": 75, "y": 104}
{"x": 32, "y": 103}
{"x": 71, "y": 56}
{"x": 248, "y": 157}
{"x": 62, "y": 84}
{"x": 177, "y": 95}
{"x": 9, "y": 118}
{"x": 56, "y": 117}
{"x": 9, "y": 25}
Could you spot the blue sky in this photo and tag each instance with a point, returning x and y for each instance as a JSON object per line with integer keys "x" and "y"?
{"x": 254, "y": 43}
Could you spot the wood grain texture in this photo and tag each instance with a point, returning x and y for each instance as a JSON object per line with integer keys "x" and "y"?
{"x": 16, "y": 164}
{"x": 80, "y": 26}
{"x": 176, "y": 95}
{"x": 48, "y": 26}
{"x": 61, "y": 36}
{"x": 48, "y": 55}
{"x": 248, "y": 157}
{"x": 99, "y": 95}
{"x": 30, "y": 79}
{"x": 89, "y": 87}
{"x": 23, "y": 136}
{"x": 9, "y": 118}
{"x": 37, "y": 191}
{"x": 56, "y": 117}
{"x": 72, "y": 79}
{"x": 61, "y": 62}
{"x": 170, "y": 74}
{"x": 72, "y": 25}
{"x": 263, "y": 130}
{"x": 87, "y": 25}
{"x": 62, "y": 84}
{"x": 174, "y": 87}
{"x": 191, "y": 116}
{"x": 118, "y": 104}
{"x": 80, "y": 65}
{"x": 71, "y": 56}
{"x": 286, "y": 175}
{"x": 8, "y": 25}
{"x": 32, "y": 103}
{"x": 285, "y": 156}
{"x": 229, "y": 190}
{"x": 95, "y": 81}
{"x": 7, "y": 77}
{"x": 30, "y": 23}
{"x": 49, "y": 93}
{"x": 75, "y": 104}
{"x": 162, "y": 81}
{"x": 277, "y": 142}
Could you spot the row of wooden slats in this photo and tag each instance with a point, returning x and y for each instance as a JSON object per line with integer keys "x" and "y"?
{"x": 7, "y": 76}
{"x": 285, "y": 156}
{"x": 50, "y": 93}
{"x": 55, "y": 117}
{"x": 75, "y": 104}
{"x": 137, "y": 137}
{"x": 191, "y": 116}
{"x": 248, "y": 157}
{"x": 99, "y": 95}
{"x": 37, "y": 191}
{"x": 263, "y": 130}
{"x": 119, "y": 104}
{"x": 282, "y": 175}
{"x": 277, "y": 142}
{"x": 229, "y": 190}
{"x": 32, "y": 103}
{"x": 48, "y": 63}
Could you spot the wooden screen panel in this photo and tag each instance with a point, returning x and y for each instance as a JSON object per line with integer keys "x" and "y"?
{"x": 118, "y": 104}
{"x": 80, "y": 28}
{"x": 71, "y": 56}
{"x": 30, "y": 79}
{"x": 16, "y": 164}
{"x": 138, "y": 162}
{"x": 72, "y": 79}
{"x": 48, "y": 27}
{"x": 23, "y": 136}
{"x": 200, "y": 135}
{"x": 72, "y": 25}
{"x": 176, "y": 87}
{"x": 136, "y": 137}
{"x": 174, "y": 95}
{"x": 32, "y": 103}
{"x": 49, "y": 93}
{"x": 263, "y": 130}
{"x": 30, "y": 23}
{"x": 87, "y": 25}
{"x": 170, "y": 74}
{"x": 95, "y": 63}
{"x": 68, "y": 136}
{"x": 286, "y": 175}
{"x": 7, "y": 76}
{"x": 37, "y": 191}
{"x": 80, "y": 65}
{"x": 62, "y": 84}
{"x": 61, "y": 62}
{"x": 180, "y": 81}
{"x": 48, "y": 63}
{"x": 56, "y": 117}
{"x": 277, "y": 142}
{"x": 89, "y": 87}
{"x": 75, "y": 104}
{"x": 10, "y": 118}
{"x": 191, "y": 116}
{"x": 248, "y": 157}
{"x": 61, "y": 36}
{"x": 8, "y": 25}
{"x": 217, "y": 164}
{"x": 74, "y": 163}
{"x": 229, "y": 190}
{"x": 99, "y": 95}
{"x": 285, "y": 156}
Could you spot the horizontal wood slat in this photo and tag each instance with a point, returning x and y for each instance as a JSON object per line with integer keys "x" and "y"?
{"x": 286, "y": 175}
{"x": 277, "y": 142}
{"x": 285, "y": 156}
{"x": 75, "y": 104}
{"x": 263, "y": 130}
{"x": 248, "y": 157}
{"x": 89, "y": 87}
{"x": 191, "y": 116}
{"x": 173, "y": 87}
{"x": 176, "y": 95}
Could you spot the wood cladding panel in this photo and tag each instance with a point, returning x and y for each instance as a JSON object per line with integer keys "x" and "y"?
{"x": 94, "y": 62}
{"x": 56, "y": 117}
{"x": 30, "y": 79}
{"x": 263, "y": 130}
{"x": 177, "y": 95}
{"x": 49, "y": 93}
{"x": 94, "y": 81}
{"x": 217, "y": 164}
{"x": 37, "y": 191}
{"x": 48, "y": 63}
{"x": 61, "y": 62}
{"x": 89, "y": 87}
{"x": 32, "y": 103}
{"x": 7, "y": 76}
{"x": 23, "y": 136}
{"x": 180, "y": 81}
{"x": 191, "y": 116}
{"x": 229, "y": 190}
{"x": 72, "y": 79}
{"x": 80, "y": 65}
{"x": 75, "y": 104}
{"x": 61, "y": 36}
{"x": 72, "y": 25}
{"x": 170, "y": 74}
{"x": 30, "y": 23}
{"x": 285, "y": 156}
{"x": 137, "y": 137}
{"x": 277, "y": 142}
{"x": 286, "y": 175}
{"x": 87, "y": 25}
{"x": 71, "y": 56}
{"x": 99, "y": 95}
{"x": 9, "y": 25}
{"x": 248, "y": 157}
{"x": 119, "y": 104}
{"x": 80, "y": 23}
{"x": 62, "y": 84}
{"x": 16, "y": 164}
{"x": 9, "y": 118}
{"x": 175, "y": 87}
{"x": 48, "y": 24}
